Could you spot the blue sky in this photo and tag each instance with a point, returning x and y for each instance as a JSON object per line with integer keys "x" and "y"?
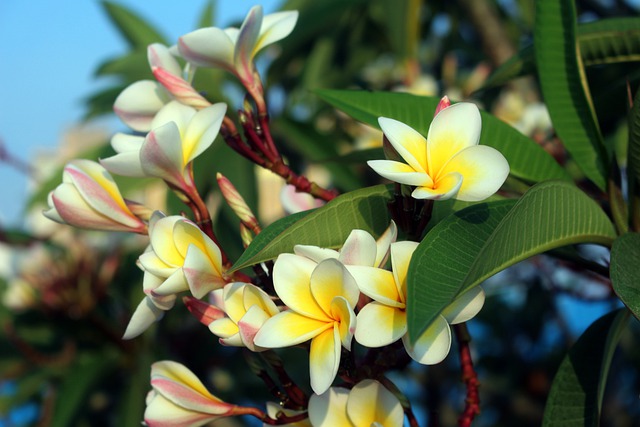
{"x": 49, "y": 52}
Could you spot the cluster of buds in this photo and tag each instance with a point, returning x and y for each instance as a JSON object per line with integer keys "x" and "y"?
{"x": 319, "y": 298}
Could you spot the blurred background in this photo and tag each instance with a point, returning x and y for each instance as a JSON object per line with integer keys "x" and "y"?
{"x": 67, "y": 295}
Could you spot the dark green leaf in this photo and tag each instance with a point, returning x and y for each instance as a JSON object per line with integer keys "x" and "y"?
{"x": 527, "y": 160}
{"x": 564, "y": 87}
{"x": 609, "y": 40}
{"x": 521, "y": 64}
{"x": 131, "y": 67}
{"x": 575, "y": 399}
{"x": 327, "y": 227}
{"x": 633, "y": 150}
{"x": 625, "y": 270}
{"x": 443, "y": 258}
{"x": 136, "y": 31}
{"x": 402, "y": 21}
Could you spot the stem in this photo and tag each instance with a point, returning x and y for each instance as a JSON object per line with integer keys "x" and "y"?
{"x": 295, "y": 393}
{"x": 469, "y": 376}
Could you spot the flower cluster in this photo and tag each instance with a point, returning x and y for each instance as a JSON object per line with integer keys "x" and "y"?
{"x": 326, "y": 300}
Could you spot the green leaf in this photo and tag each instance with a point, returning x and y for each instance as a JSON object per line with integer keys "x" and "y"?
{"x": 633, "y": 150}
{"x": 625, "y": 270}
{"x": 527, "y": 160}
{"x": 136, "y": 31}
{"x": 443, "y": 258}
{"x": 207, "y": 16}
{"x": 74, "y": 391}
{"x": 131, "y": 67}
{"x": 575, "y": 399}
{"x": 550, "y": 215}
{"x": 565, "y": 89}
{"x": 609, "y": 41}
{"x": 605, "y": 41}
{"x": 402, "y": 20}
{"x": 327, "y": 227}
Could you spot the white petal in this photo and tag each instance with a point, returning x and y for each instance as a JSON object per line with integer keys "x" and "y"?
{"x": 465, "y": 307}
{"x": 401, "y": 254}
{"x": 452, "y": 130}
{"x": 291, "y": 280}
{"x": 275, "y": 27}
{"x": 175, "y": 112}
{"x": 483, "y": 169}
{"x": 329, "y": 409}
{"x": 324, "y": 359}
{"x": 379, "y": 325}
{"x": 139, "y": 102}
{"x": 122, "y": 142}
{"x": 370, "y": 402}
{"x": 161, "y": 154}
{"x": 202, "y": 130}
{"x": 288, "y": 328}
{"x": 359, "y": 249}
{"x": 315, "y": 253}
{"x": 124, "y": 164}
{"x": 433, "y": 345}
{"x": 383, "y": 243}
{"x": 207, "y": 47}
{"x": 331, "y": 279}
{"x": 407, "y": 142}
{"x": 160, "y": 56}
{"x": 399, "y": 172}
{"x": 145, "y": 315}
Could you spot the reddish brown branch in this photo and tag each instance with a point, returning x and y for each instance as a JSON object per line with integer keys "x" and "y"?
{"x": 469, "y": 376}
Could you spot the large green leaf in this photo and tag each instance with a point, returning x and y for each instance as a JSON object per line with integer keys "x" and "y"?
{"x": 550, "y": 215}
{"x": 402, "y": 21}
{"x": 575, "y": 399}
{"x": 625, "y": 270}
{"x": 527, "y": 160}
{"x": 131, "y": 67}
{"x": 443, "y": 258}
{"x": 605, "y": 41}
{"x": 327, "y": 227}
{"x": 136, "y": 31}
{"x": 633, "y": 150}
{"x": 565, "y": 89}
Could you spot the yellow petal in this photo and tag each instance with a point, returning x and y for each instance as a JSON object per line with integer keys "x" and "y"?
{"x": 401, "y": 253}
{"x": 444, "y": 188}
{"x": 483, "y": 169}
{"x": 407, "y": 142}
{"x": 345, "y": 319}
{"x": 370, "y": 402}
{"x": 324, "y": 359}
{"x": 452, "y": 130}
{"x": 377, "y": 284}
{"x": 253, "y": 295}
{"x": 329, "y": 409}
{"x": 379, "y": 325}
{"x": 224, "y": 328}
{"x": 289, "y": 328}
{"x": 401, "y": 173}
{"x": 330, "y": 279}
{"x": 291, "y": 280}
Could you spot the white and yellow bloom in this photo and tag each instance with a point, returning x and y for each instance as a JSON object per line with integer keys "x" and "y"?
{"x": 180, "y": 134}
{"x": 247, "y": 308}
{"x": 89, "y": 198}
{"x": 179, "y": 399}
{"x": 449, "y": 163}
{"x": 233, "y": 49}
{"x": 180, "y": 257}
{"x": 384, "y": 320}
{"x": 320, "y": 300}
{"x": 368, "y": 404}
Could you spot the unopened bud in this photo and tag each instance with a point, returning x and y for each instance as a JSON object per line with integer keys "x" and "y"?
{"x": 180, "y": 89}
{"x": 237, "y": 203}
{"x": 205, "y": 313}
{"x": 245, "y": 235}
{"x": 444, "y": 103}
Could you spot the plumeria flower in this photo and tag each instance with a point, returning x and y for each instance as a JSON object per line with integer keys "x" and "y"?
{"x": 368, "y": 404}
{"x": 360, "y": 248}
{"x": 233, "y": 49}
{"x": 180, "y": 257}
{"x": 179, "y": 399}
{"x": 320, "y": 300}
{"x": 273, "y": 409}
{"x": 179, "y": 135}
{"x": 89, "y": 198}
{"x": 247, "y": 308}
{"x": 384, "y": 320}
{"x": 449, "y": 163}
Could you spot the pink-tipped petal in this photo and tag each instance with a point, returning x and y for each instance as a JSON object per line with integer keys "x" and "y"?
{"x": 161, "y": 412}
{"x": 250, "y": 324}
{"x": 207, "y": 47}
{"x": 201, "y": 274}
{"x": 359, "y": 249}
{"x": 139, "y": 102}
{"x": 160, "y": 56}
{"x": 180, "y": 88}
{"x": 161, "y": 154}
{"x": 204, "y": 312}
{"x": 246, "y": 43}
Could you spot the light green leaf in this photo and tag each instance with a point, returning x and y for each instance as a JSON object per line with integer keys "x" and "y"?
{"x": 443, "y": 258}
{"x": 550, "y": 215}
{"x": 136, "y": 31}
{"x": 327, "y": 227}
{"x": 131, "y": 67}
{"x": 625, "y": 270}
{"x": 527, "y": 160}
{"x": 575, "y": 399}
{"x": 565, "y": 89}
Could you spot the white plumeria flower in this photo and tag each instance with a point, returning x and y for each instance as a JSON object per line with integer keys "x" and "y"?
{"x": 89, "y": 198}
{"x": 233, "y": 49}
{"x": 179, "y": 398}
{"x": 360, "y": 248}
{"x": 368, "y": 404}
{"x": 180, "y": 257}
{"x": 449, "y": 163}
{"x": 320, "y": 300}
{"x": 180, "y": 134}
{"x": 384, "y": 320}
{"x": 247, "y": 308}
